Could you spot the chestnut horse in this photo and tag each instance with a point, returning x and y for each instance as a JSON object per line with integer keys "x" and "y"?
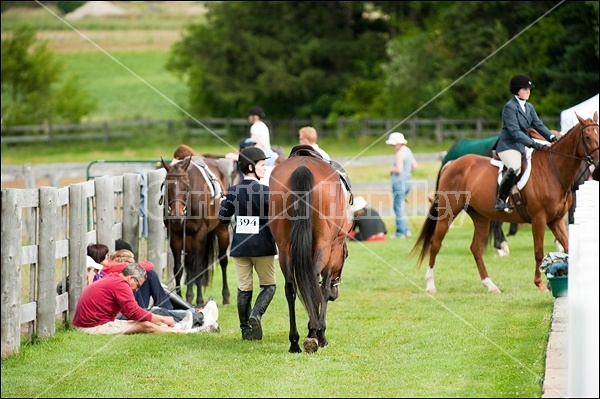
{"x": 191, "y": 208}
{"x": 469, "y": 183}
{"x": 307, "y": 212}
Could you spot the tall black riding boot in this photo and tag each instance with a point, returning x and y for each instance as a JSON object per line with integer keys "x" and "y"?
{"x": 260, "y": 307}
{"x": 244, "y": 303}
{"x": 505, "y": 186}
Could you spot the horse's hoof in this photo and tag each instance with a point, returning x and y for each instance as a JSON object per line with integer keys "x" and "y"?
{"x": 501, "y": 253}
{"x": 430, "y": 290}
{"x": 295, "y": 348}
{"x": 311, "y": 345}
{"x": 504, "y": 248}
{"x": 495, "y": 291}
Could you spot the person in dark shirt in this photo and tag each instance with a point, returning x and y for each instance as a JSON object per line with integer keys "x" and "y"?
{"x": 253, "y": 246}
{"x": 368, "y": 225}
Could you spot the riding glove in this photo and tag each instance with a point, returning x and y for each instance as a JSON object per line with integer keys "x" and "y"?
{"x": 536, "y": 145}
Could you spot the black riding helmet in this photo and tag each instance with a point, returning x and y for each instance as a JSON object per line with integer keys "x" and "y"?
{"x": 518, "y": 82}
{"x": 250, "y": 156}
{"x": 257, "y": 111}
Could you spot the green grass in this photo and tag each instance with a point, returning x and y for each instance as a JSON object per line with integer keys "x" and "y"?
{"x": 128, "y": 85}
{"x": 387, "y": 338}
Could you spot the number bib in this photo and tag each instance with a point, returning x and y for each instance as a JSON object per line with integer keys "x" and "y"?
{"x": 246, "y": 225}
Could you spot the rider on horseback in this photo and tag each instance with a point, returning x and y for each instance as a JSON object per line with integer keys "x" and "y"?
{"x": 517, "y": 116}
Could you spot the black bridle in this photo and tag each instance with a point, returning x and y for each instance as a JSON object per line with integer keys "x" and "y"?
{"x": 168, "y": 214}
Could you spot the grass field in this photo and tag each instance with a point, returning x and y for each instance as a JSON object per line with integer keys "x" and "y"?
{"x": 387, "y": 339}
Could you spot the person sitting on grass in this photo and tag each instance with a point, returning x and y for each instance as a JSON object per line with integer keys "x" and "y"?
{"x": 151, "y": 295}
{"x": 367, "y": 225}
{"x": 103, "y": 300}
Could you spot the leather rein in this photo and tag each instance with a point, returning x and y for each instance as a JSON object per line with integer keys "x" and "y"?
{"x": 588, "y": 156}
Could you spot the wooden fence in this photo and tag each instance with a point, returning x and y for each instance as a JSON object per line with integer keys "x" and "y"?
{"x": 45, "y": 233}
{"x": 281, "y": 130}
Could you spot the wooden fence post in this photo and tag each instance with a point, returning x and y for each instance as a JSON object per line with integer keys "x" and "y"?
{"x": 46, "y": 304}
{"x": 77, "y": 243}
{"x": 11, "y": 272}
{"x": 156, "y": 228}
{"x": 131, "y": 211}
{"x": 105, "y": 211}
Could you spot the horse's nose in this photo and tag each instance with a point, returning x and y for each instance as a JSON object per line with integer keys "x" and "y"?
{"x": 178, "y": 219}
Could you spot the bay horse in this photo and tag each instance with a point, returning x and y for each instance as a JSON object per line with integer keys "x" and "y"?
{"x": 191, "y": 208}
{"x": 469, "y": 183}
{"x": 309, "y": 221}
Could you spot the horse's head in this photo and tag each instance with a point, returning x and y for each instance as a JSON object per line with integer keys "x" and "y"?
{"x": 177, "y": 190}
{"x": 588, "y": 129}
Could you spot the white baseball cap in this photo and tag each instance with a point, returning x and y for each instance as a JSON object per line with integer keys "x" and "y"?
{"x": 90, "y": 262}
{"x": 396, "y": 138}
{"x": 358, "y": 204}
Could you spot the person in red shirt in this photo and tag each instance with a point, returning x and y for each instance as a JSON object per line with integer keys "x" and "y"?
{"x": 102, "y": 301}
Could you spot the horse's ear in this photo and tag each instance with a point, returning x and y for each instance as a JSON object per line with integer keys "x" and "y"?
{"x": 596, "y": 116}
{"x": 186, "y": 162}
{"x": 165, "y": 165}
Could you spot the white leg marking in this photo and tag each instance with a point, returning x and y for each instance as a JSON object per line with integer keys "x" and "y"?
{"x": 487, "y": 282}
{"x": 559, "y": 247}
{"x": 430, "y": 288}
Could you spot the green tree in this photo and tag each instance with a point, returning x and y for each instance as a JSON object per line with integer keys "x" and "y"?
{"x": 462, "y": 61}
{"x": 33, "y": 90}
{"x": 292, "y": 58}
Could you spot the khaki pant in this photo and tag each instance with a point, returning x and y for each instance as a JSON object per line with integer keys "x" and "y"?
{"x": 511, "y": 159}
{"x": 265, "y": 269}
{"x": 112, "y": 327}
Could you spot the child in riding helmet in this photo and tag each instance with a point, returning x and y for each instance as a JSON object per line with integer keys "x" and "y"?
{"x": 253, "y": 245}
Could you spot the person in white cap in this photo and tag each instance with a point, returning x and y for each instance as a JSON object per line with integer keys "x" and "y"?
{"x": 401, "y": 172}
{"x": 94, "y": 270}
{"x": 367, "y": 225}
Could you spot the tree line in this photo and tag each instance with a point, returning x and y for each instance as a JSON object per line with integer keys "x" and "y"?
{"x": 335, "y": 59}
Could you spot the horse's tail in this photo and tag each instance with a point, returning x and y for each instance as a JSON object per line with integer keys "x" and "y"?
{"x": 302, "y": 259}
{"x": 424, "y": 239}
{"x": 495, "y": 234}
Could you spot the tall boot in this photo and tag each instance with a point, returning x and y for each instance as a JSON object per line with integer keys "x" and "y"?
{"x": 505, "y": 186}
{"x": 244, "y": 303}
{"x": 260, "y": 307}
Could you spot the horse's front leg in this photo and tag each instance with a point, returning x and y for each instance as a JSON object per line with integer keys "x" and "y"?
{"x": 290, "y": 296}
{"x": 326, "y": 289}
{"x": 559, "y": 229}
{"x": 190, "y": 279}
{"x": 538, "y": 228}
{"x": 177, "y": 265}
{"x": 223, "y": 243}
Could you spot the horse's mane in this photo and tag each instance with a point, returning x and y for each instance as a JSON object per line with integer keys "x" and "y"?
{"x": 183, "y": 151}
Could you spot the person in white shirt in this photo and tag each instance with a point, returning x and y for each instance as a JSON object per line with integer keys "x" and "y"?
{"x": 308, "y": 135}
{"x": 259, "y": 133}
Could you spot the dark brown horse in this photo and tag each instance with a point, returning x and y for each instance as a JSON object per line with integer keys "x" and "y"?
{"x": 191, "y": 208}
{"x": 307, "y": 211}
{"x": 469, "y": 183}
